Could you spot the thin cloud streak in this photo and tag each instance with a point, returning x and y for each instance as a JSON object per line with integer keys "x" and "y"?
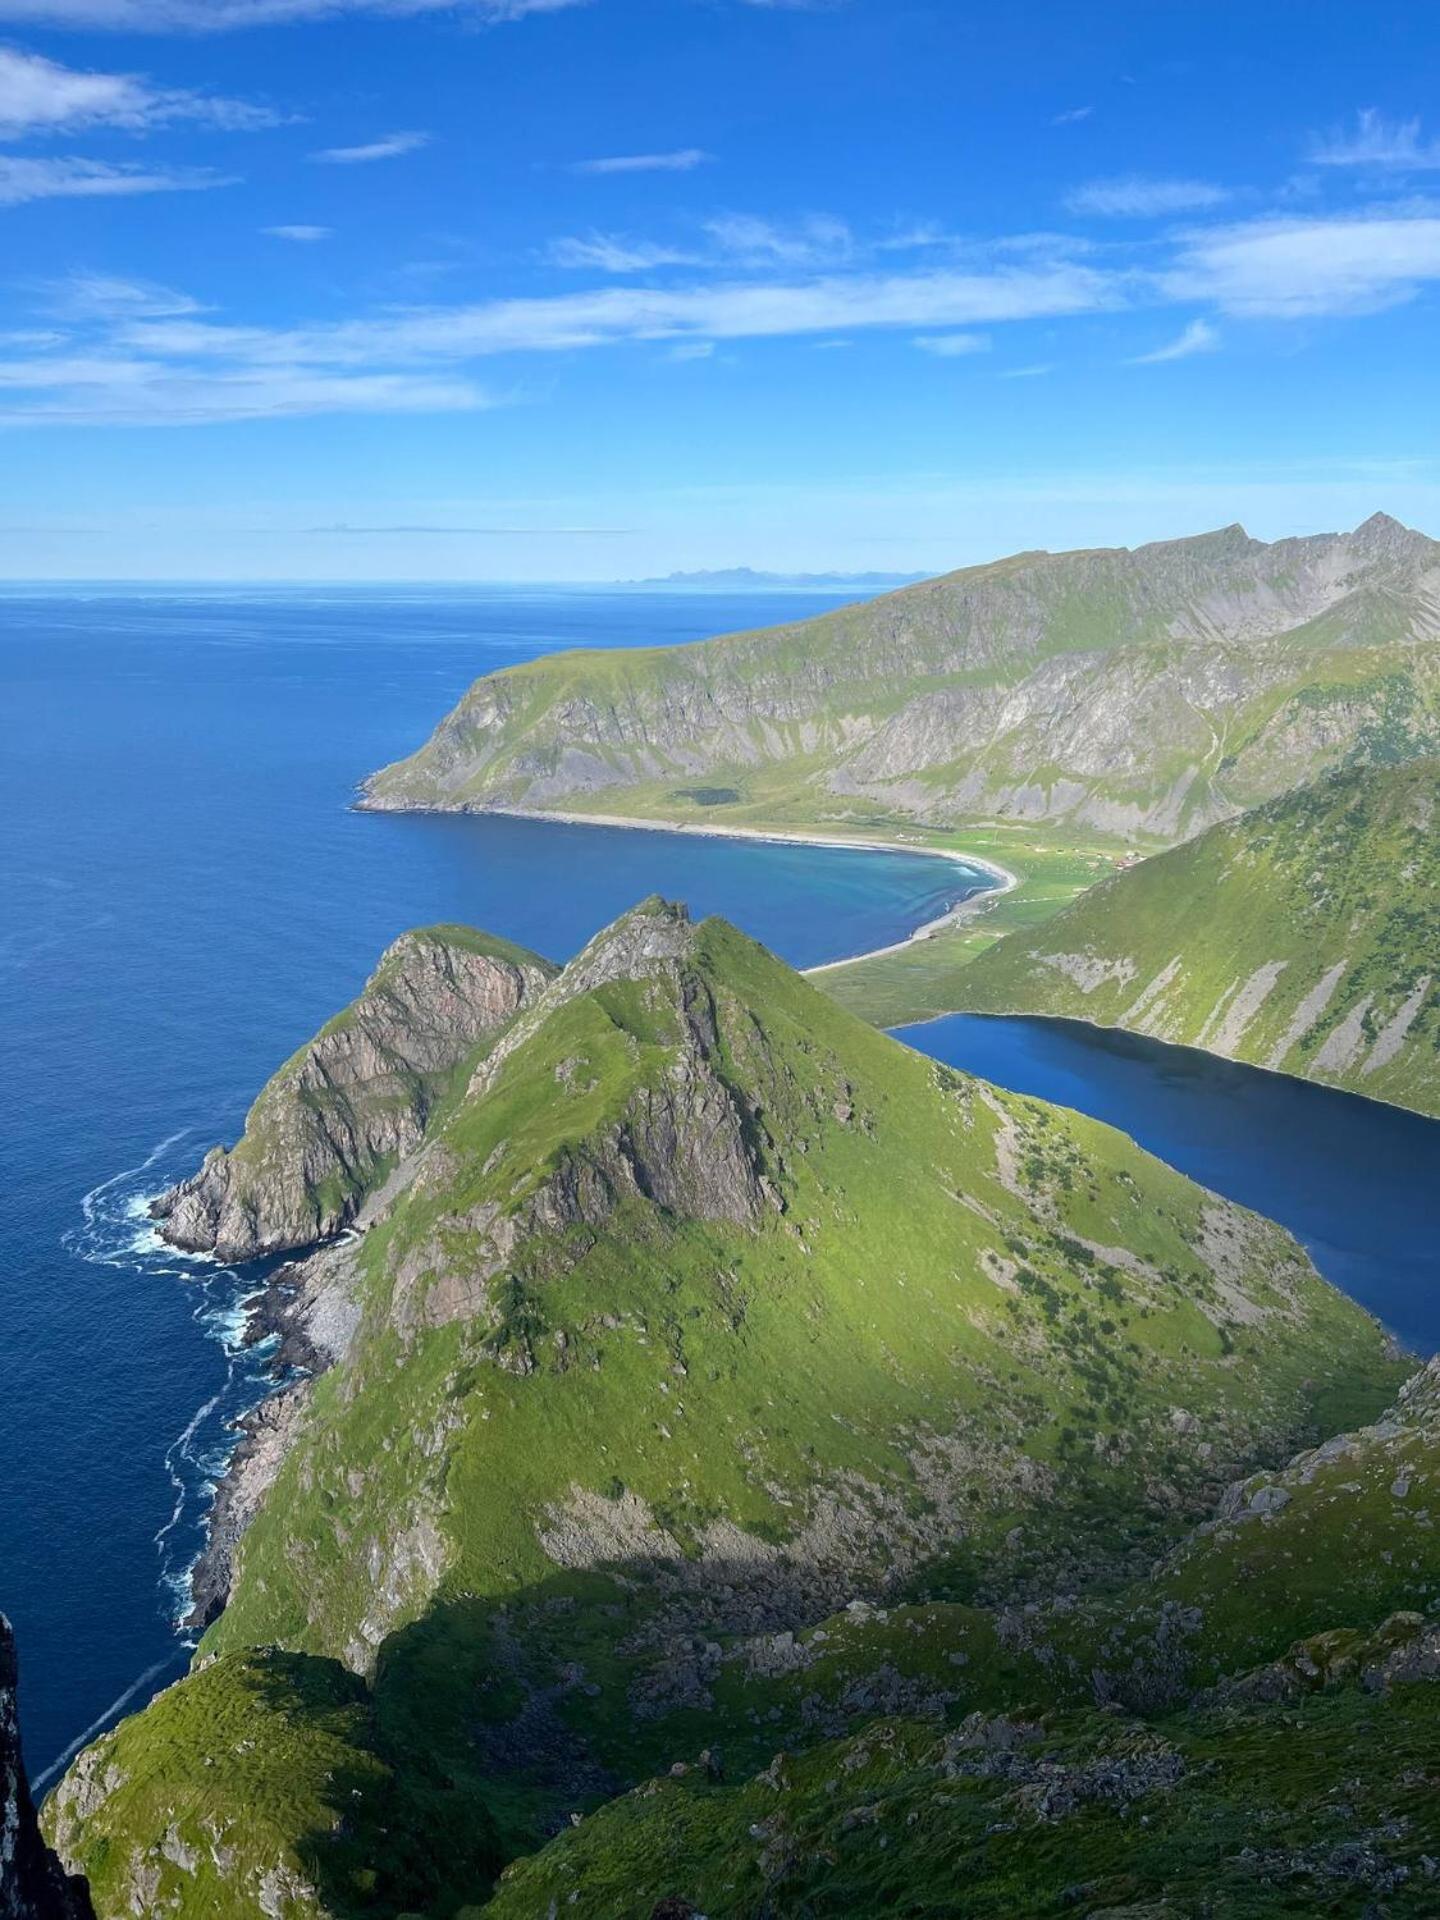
{"x": 389, "y": 146}
{"x": 612, "y": 315}
{"x": 1137, "y": 198}
{"x": 1198, "y": 337}
{"x": 683, "y": 160}
{"x": 487, "y": 533}
{"x": 224, "y": 16}
{"x": 72, "y": 178}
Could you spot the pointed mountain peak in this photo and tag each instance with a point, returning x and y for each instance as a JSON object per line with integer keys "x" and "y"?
{"x": 655, "y": 934}
{"x": 1383, "y": 534}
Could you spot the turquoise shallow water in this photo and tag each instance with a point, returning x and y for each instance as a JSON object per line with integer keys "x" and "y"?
{"x": 186, "y": 898}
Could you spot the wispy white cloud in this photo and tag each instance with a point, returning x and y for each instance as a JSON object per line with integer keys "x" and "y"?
{"x": 221, "y": 16}
{"x": 114, "y": 391}
{"x": 1298, "y": 268}
{"x": 1070, "y": 116}
{"x": 681, "y": 160}
{"x": 724, "y": 310}
{"x": 732, "y": 239}
{"x": 1199, "y": 336}
{"x": 389, "y": 146}
{"x": 71, "y": 178}
{"x": 1376, "y": 142}
{"x": 612, "y": 253}
{"x": 953, "y": 346}
{"x": 817, "y": 240}
{"x": 1135, "y": 197}
{"x": 130, "y": 352}
{"x": 304, "y": 235}
{"x": 108, "y": 297}
{"x": 39, "y": 96}
{"x": 1036, "y": 372}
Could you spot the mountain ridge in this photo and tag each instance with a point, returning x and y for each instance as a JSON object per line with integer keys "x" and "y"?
{"x": 1137, "y": 693}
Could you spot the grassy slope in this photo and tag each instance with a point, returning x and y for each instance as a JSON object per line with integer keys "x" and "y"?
{"x": 1340, "y": 881}
{"x": 1304, "y": 1786}
{"x": 934, "y": 1273}
{"x": 903, "y": 1821}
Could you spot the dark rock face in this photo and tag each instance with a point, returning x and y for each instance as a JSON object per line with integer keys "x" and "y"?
{"x": 352, "y": 1103}
{"x": 33, "y": 1884}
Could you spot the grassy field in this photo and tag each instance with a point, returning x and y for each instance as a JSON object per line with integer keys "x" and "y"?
{"x": 921, "y": 981}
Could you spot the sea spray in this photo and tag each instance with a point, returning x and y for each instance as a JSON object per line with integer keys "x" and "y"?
{"x": 115, "y": 1230}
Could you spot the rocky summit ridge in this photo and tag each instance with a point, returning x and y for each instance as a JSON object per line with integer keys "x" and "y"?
{"x": 1141, "y": 693}
{"x": 710, "y": 1361}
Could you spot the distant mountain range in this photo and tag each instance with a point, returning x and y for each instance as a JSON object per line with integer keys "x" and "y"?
{"x": 743, "y": 579}
{"x": 1138, "y": 694}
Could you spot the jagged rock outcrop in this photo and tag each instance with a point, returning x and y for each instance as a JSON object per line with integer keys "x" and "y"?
{"x": 33, "y": 1884}
{"x": 344, "y": 1110}
{"x": 1141, "y": 693}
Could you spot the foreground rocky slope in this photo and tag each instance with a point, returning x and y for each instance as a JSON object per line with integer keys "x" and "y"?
{"x": 1304, "y": 936}
{"x": 1146, "y": 693}
{"x": 701, "y": 1316}
{"x": 33, "y": 1884}
{"x": 1249, "y": 1732}
{"x": 341, "y": 1113}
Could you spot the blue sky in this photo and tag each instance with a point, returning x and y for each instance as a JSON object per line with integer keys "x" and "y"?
{"x": 586, "y": 289}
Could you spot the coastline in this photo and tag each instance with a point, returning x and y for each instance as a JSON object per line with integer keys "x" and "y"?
{"x": 1004, "y": 880}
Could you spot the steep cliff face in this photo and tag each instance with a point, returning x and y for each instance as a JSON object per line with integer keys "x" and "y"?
{"x": 1140, "y": 693}
{"x": 352, "y": 1103}
{"x": 703, "y": 1313}
{"x": 1303, "y": 936}
{"x": 33, "y": 1884}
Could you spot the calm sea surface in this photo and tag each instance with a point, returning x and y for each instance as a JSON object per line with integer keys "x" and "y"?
{"x": 186, "y": 898}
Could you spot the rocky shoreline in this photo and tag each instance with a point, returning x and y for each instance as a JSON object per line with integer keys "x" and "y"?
{"x": 307, "y": 1308}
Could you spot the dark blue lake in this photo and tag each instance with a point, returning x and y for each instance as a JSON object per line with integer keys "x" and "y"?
{"x": 187, "y": 897}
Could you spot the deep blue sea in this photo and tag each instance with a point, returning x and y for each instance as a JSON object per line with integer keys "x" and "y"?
{"x": 187, "y": 897}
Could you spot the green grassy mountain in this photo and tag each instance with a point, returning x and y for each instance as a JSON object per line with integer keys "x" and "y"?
{"x": 1304, "y": 936}
{"x": 1141, "y": 693}
{"x": 701, "y": 1315}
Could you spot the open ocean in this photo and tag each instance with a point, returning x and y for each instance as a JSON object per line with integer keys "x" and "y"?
{"x": 187, "y": 897}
